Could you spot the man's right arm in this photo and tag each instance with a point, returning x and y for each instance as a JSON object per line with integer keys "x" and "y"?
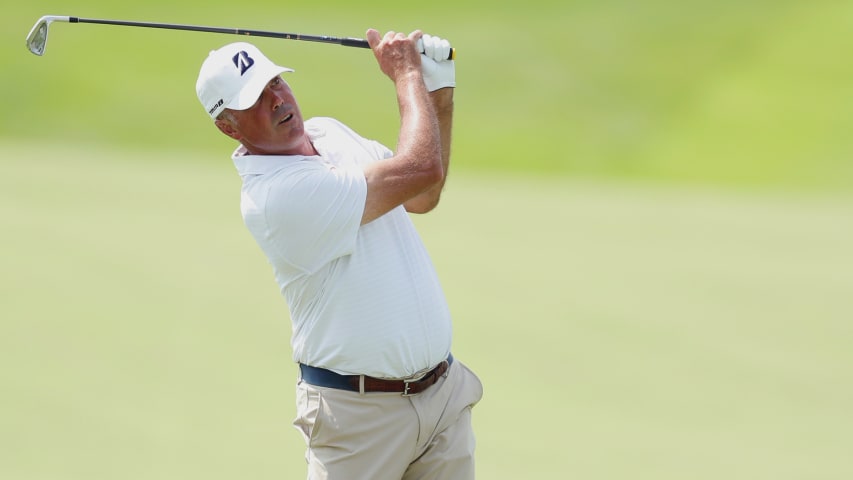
{"x": 417, "y": 164}
{"x": 442, "y": 103}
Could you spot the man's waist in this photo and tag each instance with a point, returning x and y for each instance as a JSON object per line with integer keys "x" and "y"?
{"x": 322, "y": 377}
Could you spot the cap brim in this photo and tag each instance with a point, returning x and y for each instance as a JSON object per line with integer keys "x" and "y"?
{"x": 252, "y": 91}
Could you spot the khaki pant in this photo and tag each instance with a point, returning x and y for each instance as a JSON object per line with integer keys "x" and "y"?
{"x": 386, "y": 436}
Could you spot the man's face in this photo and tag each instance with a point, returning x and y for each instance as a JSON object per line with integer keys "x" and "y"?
{"x": 272, "y": 126}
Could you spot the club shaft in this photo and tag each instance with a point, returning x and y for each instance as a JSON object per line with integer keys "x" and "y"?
{"x": 345, "y": 41}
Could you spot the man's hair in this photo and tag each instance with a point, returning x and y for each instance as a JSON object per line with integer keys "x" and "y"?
{"x": 228, "y": 117}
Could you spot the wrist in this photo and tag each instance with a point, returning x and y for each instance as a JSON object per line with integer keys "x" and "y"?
{"x": 409, "y": 76}
{"x": 442, "y": 99}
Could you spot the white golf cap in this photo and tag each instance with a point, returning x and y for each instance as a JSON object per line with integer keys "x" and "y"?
{"x": 234, "y": 77}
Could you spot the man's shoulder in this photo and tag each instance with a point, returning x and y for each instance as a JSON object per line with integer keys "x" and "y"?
{"x": 265, "y": 165}
{"x": 324, "y": 121}
{"x": 324, "y": 125}
{"x": 331, "y": 131}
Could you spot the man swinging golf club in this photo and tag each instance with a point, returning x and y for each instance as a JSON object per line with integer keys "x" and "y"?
{"x": 379, "y": 395}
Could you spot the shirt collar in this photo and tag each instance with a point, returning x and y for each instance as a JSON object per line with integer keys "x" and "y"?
{"x": 261, "y": 164}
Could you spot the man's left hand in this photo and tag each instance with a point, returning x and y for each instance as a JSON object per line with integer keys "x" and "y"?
{"x": 438, "y": 71}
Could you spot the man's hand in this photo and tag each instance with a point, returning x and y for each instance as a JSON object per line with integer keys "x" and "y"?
{"x": 395, "y": 52}
{"x": 437, "y": 70}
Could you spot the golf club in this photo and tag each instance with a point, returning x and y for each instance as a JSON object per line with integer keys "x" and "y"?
{"x": 37, "y": 38}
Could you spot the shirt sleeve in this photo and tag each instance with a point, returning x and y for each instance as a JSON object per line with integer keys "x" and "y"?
{"x": 314, "y": 211}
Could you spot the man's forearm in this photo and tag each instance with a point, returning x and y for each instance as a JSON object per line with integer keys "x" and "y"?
{"x": 419, "y": 131}
{"x": 442, "y": 102}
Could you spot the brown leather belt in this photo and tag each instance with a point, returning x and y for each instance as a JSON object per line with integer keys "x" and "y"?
{"x": 361, "y": 383}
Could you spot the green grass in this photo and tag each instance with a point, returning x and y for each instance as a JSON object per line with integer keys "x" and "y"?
{"x": 645, "y": 241}
{"x": 621, "y": 330}
{"x": 734, "y": 93}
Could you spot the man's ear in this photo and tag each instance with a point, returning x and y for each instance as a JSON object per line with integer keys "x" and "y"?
{"x": 227, "y": 128}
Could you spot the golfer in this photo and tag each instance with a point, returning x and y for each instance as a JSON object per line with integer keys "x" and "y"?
{"x": 379, "y": 395}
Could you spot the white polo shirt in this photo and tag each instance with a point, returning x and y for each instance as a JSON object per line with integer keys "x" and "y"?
{"x": 362, "y": 299}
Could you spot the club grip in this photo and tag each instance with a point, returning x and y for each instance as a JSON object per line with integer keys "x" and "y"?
{"x": 355, "y": 42}
{"x": 360, "y": 43}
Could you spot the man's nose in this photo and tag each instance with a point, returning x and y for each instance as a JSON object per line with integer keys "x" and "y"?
{"x": 277, "y": 99}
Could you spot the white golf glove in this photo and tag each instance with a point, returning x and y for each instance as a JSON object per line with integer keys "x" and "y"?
{"x": 438, "y": 71}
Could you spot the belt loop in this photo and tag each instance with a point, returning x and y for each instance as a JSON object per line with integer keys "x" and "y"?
{"x": 361, "y": 384}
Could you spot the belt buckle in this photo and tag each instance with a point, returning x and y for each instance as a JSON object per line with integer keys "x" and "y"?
{"x": 406, "y": 389}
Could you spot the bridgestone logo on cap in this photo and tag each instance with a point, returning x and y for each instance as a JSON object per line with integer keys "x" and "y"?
{"x": 218, "y": 104}
{"x": 243, "y": 61}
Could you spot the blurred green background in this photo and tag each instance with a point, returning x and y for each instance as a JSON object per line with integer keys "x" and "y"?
{"x": 645, "y": 241}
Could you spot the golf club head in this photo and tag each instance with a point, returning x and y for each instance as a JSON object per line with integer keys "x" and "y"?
{"x": 37, "y": 38}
